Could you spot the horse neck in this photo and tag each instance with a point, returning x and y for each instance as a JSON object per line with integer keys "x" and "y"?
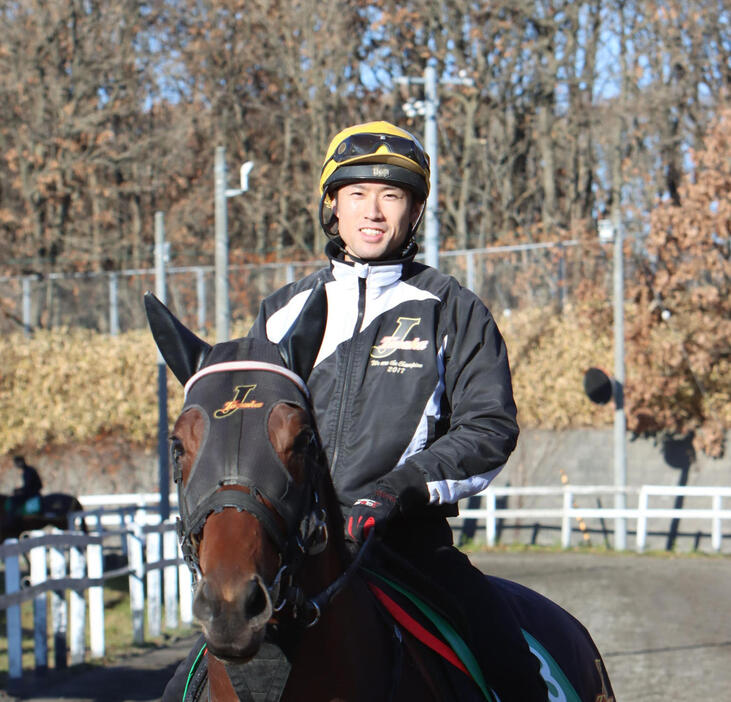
{"x": 351, "y": 647}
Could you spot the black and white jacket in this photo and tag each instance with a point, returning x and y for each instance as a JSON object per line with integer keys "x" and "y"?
{"x": 412, "y": 373}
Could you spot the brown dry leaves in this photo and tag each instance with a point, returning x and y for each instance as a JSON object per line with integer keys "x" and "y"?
{"x": 680, "y": 324}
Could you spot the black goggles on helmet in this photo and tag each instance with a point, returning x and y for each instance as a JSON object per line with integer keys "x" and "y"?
{"x": 367, "y": 144}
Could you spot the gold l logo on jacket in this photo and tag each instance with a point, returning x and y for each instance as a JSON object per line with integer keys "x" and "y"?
{"x": 398, "y": 340}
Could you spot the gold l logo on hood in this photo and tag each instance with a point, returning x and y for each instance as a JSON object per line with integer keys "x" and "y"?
{"x": 239, "y": 402}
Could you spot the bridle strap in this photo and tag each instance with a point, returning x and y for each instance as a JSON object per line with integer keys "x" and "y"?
{"x": 241, "y": 501}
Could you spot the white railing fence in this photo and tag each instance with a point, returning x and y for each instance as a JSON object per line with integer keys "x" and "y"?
{"x": 73, "y": 562}
{"x": 495, "y": 509}
{"x": 67, "y": 567}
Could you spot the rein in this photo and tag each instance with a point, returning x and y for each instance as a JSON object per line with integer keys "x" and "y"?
{"x": 315, "y": 605}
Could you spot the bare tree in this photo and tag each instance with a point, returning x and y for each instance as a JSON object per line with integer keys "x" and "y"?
{"x": 111, "y": 111}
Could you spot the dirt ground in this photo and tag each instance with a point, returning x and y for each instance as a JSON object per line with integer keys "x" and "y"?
{"x": 663, "y": 625}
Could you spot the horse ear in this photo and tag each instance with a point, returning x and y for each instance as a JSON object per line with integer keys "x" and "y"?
{"x": 182, "y": 350}
{"x": 301, "y": 344}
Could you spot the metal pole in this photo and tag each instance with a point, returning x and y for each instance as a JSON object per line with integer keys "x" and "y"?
{"x": 620, "y": 421}
{"x": 562, "y": 278}
{"x": 431, "y": 99}
{"x": 162, "y": 387}
{"x": 221, "y": 227}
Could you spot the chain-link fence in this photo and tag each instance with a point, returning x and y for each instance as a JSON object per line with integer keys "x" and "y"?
{"x": 508, "y": 277}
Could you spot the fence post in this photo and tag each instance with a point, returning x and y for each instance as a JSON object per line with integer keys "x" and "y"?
{"x": 490, "y": 522}
{"x": 94, "y": 565}
{"x": 59, "y": 614}
{"x": 12, "y": 616}
{"x": 170, "y": 578}
{"x": 471, "y": 271}
{"x": 152, "y": 549}
{"x": 77, "y": 608}
{"x": 113, "y": 304}
{"x": 136, "y": 584}
{"x": 27, "y": 328}
{"x": 561, "y": 276}
{"x": 566, "y": 518}
{"x": 38, "y": 575}
{"x": 642, "y": 502}
{"x": 716, "y": 523}
{"x": 185, "y": 580}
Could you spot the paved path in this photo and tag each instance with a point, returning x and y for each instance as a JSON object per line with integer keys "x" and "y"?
{"x": 663, "y": 626}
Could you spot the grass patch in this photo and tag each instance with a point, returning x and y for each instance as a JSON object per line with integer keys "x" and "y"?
{"x": 117, "y": 632}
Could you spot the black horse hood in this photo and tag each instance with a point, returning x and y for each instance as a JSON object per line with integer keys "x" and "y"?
{"x": 236, "y": 397}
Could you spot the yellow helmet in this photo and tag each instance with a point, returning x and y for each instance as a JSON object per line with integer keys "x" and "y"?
{"x": 373, "y": 151}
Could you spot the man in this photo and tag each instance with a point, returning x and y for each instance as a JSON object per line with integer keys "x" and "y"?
{"x": 22, "y": 500}
{"x": 32, "y": 483}
{"x": 411, "y": 388}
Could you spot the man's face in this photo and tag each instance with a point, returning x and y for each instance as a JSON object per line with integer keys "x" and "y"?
{"x": 374, "y": 218}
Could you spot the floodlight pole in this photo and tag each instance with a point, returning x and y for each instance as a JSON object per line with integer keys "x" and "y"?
{"x": 429, "y": 109}
{"x": 431, "y": 144}
{"x": 223, "y": 311}
{"x": 162, "y": 387}
{"x": 221, "y": 248}
{"x": 620, "y": 419}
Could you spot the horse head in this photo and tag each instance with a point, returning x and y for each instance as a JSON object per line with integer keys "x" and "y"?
{"x": 254, "y": 491}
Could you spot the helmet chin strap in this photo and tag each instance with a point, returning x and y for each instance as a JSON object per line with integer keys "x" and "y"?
{"x": 410, "y": 248}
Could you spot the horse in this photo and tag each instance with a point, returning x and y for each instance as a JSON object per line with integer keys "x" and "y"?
{"x": 262, "y": 530}
{"x": 55, "y": 509}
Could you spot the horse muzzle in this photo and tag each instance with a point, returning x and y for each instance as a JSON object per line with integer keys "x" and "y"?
{"x": 234, "y": 621}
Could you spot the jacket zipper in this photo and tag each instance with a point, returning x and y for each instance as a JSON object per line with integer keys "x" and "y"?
{"x": 345, "y": 387}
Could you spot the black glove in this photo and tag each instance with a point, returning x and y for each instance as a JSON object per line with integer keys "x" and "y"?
{"x": 394, "y": 494}
{"x": 368, "y": 513}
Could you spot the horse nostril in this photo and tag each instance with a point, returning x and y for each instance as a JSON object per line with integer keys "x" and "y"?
{"x": 204, "y": 606}
{"x": 256, "y": 599}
